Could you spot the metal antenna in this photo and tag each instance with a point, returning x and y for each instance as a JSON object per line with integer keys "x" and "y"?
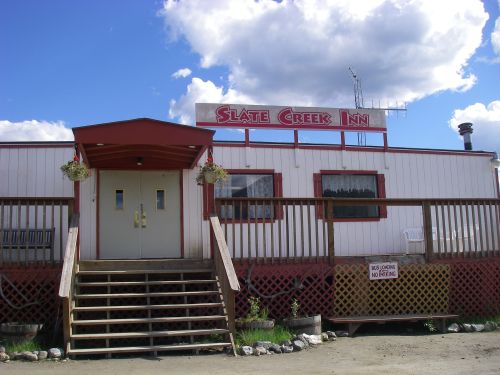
{"x": 358, "y": 103}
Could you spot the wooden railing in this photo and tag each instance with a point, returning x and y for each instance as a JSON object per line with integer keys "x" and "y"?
{"x": 68, "y": 277}
{"x": 307, "y": 229}
{"x": 225, "y": 272}
{"x": 32, "y": 230}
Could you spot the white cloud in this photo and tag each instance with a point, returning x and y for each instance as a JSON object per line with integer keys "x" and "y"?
{"x": 184, "y": 72}
{"x": 199, "y": 91}
{"x": 34, "y": 131}
{"x": 297, "y": 52}
{"x": 486, "y": 124}
{"x": 495, "y": 37}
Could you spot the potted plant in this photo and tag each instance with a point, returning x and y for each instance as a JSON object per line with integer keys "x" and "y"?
{"x": 16, "y": 333}
{"x": 310, "y": 325}
{"x": 75, "y": 170}
{"x": 211, "y": 173}
{"x": 257, "y": 317}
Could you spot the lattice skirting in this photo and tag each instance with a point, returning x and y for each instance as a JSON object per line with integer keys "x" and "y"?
{"x": 315, "y": 296}
{"x": 420, "y": 289}
{"x": 475, "y": 287}
{"x": 37, "y": 285}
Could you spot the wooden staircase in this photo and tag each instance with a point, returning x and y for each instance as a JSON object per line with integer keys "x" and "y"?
{"x": 146, "y": 306}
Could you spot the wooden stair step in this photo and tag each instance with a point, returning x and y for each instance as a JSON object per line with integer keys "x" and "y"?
{"x": 139, "y": 272}
{"x": 119, "y": 335}
{"x": 159, "y": 282}
{"x": 148, "y": 307}
{"x": 149, "y": 320}
{"x": 159, "y": 348}
{"x": 152, "y": 294}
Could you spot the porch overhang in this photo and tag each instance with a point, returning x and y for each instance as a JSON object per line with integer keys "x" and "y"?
{"x": 142, "y": 144}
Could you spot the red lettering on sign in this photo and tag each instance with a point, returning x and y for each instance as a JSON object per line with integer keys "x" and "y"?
{"x": 289, "y": 117}
{"x": 356, "y": 119}
{"x": 226, "y": 115}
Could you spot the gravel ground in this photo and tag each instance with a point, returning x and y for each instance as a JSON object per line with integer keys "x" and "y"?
{"x": 453, "y": 354}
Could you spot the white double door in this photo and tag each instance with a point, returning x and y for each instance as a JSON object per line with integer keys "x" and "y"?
{"x": 139, "y": 215}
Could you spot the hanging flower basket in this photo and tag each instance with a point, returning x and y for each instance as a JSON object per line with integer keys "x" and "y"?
{"x": 75, "y": 171}
{"x": 211, "y": 173}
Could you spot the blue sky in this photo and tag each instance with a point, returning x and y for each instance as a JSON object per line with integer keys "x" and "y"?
{"x": 66, "y": 64}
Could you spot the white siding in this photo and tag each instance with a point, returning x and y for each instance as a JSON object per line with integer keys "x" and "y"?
{"x": 88, "y": 218}
{"x": 34, "y": 171}
{"x": 407, "y": 175}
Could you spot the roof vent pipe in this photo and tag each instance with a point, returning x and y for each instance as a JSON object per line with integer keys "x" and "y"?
{"x": 465, "y": 130}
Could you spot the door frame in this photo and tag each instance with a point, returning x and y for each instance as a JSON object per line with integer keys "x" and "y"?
{"x": 97, "y": 202}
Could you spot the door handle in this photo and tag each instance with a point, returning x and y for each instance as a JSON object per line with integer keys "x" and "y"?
{"x": 136, "y": 219}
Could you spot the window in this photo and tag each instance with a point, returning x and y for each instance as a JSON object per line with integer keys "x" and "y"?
{"x": 246, "y": 186}
{"x": 160, "y": 199}
{"x": 354, "y": 184}
{"x": 119, "y": 199}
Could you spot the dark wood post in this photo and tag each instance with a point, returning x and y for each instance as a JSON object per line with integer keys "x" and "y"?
{"x": 427, "y": 225}
{"x": 329, "y": 224}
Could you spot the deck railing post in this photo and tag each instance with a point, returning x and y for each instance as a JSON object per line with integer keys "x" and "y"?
{"x": 329, "y": 224}
{"x": 427, "y": 224}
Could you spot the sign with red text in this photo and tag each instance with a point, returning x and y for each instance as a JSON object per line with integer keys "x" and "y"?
{"x": 383, "y": 270}
{"x": 211, "y": 115}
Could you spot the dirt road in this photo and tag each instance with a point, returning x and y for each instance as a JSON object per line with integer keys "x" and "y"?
{"x": 459, "y": 353}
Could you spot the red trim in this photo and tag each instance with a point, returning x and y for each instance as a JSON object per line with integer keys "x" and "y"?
{"x": 278, "y": 193}
{"x": 318, "y": 193}
{"x": 382, "y": 210}
{"x": 198, "y": 157}
{"x": 497, "y": 181}
{"x": 37, "y": 145}
{"x": 235, "y": 125}
{"x": 181, "y": 205}
{"x": 208, "y": 200}
{"x": 76, "y": 208}
{"x": 346, "y": 171}
{"x": 250, "y": 171}
{"x": 97, "y": 198}
{"x": 363, "y": 149}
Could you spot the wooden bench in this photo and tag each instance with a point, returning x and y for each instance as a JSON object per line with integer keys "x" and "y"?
{"x": 30, "y": 239}
{"x": 354, "y": 322}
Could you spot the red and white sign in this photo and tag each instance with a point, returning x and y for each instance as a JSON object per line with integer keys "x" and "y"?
{"x": 210, "y": 115}
{"x": 383, "y": 270}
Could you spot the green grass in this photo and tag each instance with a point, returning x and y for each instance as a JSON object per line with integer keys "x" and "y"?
{"x": 27, "y": 346}
{"x": 251, "y": 336}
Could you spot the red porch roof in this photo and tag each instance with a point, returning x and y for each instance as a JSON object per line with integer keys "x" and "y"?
{"x": 154, "y": 143}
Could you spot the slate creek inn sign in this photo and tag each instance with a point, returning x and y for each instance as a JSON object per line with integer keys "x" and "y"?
{"x": 212, "y": 115}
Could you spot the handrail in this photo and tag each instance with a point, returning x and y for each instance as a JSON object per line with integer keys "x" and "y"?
{"x": 223, "y": 253}
{"x": 69, "y": 258}
{"x": 226, "y": 275}
{"x": 68, "y": 277}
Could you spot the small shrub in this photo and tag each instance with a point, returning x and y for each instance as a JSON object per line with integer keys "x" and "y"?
{"x": 251, "y": 336}
{"x": 27, "y": 346}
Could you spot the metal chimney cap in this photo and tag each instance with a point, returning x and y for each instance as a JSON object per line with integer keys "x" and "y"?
{"x": 465, "y": 128}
